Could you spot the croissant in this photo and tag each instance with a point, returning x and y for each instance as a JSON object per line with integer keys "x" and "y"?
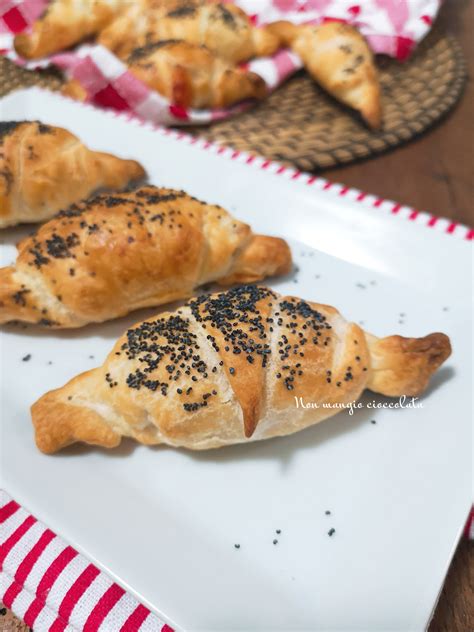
{"x": 338, "y": 57}
{"x": 44, "y": 169}
{"x": 223, "y": 28}
{"x": 107, "y": 256}
{"x": 65, "y": 23}
{"x": 230, "y": 368}
{"x": 190, "y": 76}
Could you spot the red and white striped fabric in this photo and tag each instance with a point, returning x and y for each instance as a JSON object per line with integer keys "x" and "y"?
{"x": 392, "y": 27}
{"x": 50, "y": 586}
{"x": 53, "y": 588}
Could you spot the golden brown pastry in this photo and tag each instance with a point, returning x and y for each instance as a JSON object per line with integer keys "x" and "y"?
{"x": 115, "y": 253}
{"x": 338, "y": 57}
{"x": 191, "y": 76}
{"x": 65, "y": 23}
{"x": 129, "y": 30}
{"x": 229, "y": 368}
{"x": 44, "y": 169}
{"x": 223, "y": 28}
{"x": 74, "y": 89}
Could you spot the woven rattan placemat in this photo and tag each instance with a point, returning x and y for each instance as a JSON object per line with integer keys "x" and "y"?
{"x": 299, "y": 124}
{"x": 302, "y": 125}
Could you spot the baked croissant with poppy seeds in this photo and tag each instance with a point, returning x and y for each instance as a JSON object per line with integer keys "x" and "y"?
{"x": 65, "y": 23}
{"x": 191, "y": 76}
{"x": 224, "y": 29}
{"x": 226, "y": 368}
{"x": 44, "y": 169}
{"x": 109, "y": 255}
{"x": 338, "y": 57}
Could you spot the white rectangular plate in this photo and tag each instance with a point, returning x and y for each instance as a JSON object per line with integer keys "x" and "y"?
{"x": 164, "y": 522}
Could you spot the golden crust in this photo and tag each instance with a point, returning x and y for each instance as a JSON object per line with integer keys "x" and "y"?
{"x": 223, "y": 28}
{"x": 228, "y": 368}
{"x": 44, "y": 169}
{"x": 189, "y": 75}
{"x": 338, "y": 57}
{"x": 404, "y": 365}
{"x": 74, "y": 90}
{"x": 60, "y": 423}
{"x": 65, "y": 23}
{"x": 261, "y": 258}
{"x": 115, "y": 253}
{"x": 14, "y": 299}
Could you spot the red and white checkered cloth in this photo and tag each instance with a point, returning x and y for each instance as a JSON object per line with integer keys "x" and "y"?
{"x": 392, "y": 27}
{"x": 53, "y": 588}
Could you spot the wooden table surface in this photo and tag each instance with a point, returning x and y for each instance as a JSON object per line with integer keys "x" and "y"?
{"x": 433, "y": 173}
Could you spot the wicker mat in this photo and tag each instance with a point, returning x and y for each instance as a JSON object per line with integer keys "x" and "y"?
{"x": 300, "y": 125}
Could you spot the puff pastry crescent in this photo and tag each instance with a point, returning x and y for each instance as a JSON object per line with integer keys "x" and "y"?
{"x": 44, "y": 169}
{"x": 65, "y": 23}
{"x": 115, "y": 253}
{"x": 338, "y": 57}
{"x": 190, "y": 76}
{"x": 228, "y": 368}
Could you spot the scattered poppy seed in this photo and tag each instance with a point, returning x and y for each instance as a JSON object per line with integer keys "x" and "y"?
{"x": 275, "y": 541}
{"x": 331, "y": 532}
{"x": 26, "y": 358}
{"x": 237, "y": 546}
